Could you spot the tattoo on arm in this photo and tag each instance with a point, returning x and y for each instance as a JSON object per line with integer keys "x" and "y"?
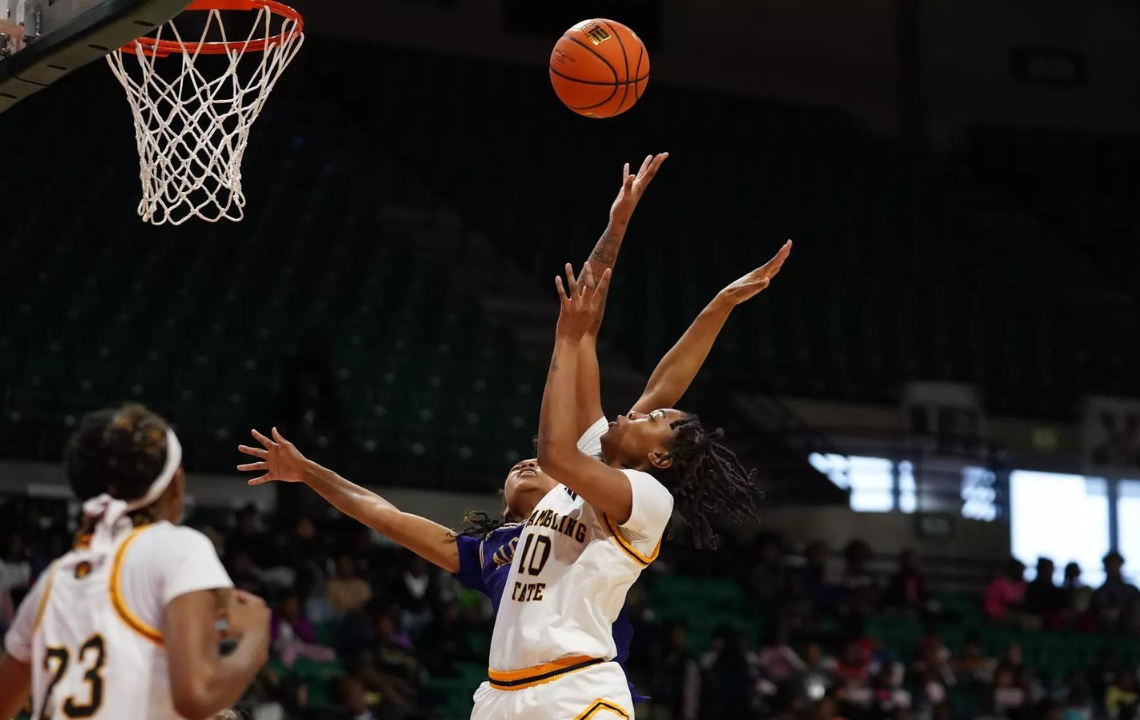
{"x": 554, "y": 363}
{"x": 605, "y": 252}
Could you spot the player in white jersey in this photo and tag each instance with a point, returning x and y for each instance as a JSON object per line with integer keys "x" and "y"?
{"x": 588, "y": 540}
{"x": 125, "y": 626}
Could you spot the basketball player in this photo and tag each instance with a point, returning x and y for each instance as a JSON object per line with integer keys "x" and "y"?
{"x": 587, "y": 541}
{"x": 124, "y": 625}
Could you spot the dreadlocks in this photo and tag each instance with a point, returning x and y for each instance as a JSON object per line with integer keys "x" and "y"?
{"x": 479, "y": 524}
{"x": 709, "y": 480}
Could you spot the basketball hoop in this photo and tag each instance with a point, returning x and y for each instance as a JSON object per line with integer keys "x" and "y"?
{"x": 192, "y": 120}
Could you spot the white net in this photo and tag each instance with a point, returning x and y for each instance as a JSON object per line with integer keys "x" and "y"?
{"x": 193, "y": 110}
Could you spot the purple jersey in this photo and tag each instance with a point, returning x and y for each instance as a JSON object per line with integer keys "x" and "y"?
{"x": 485, "y": 563}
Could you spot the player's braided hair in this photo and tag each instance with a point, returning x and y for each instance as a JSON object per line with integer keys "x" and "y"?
{"x": 479, "y": 524}
{"x": 709, "y": 481}
{"x": 118, "y": 451}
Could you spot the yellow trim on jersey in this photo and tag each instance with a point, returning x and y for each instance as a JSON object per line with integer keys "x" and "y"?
{"x": 599, "y": 705}
{"x": 44, "y": 598}
{"x": 132, "y": 620}
{"x": 539, "y": 674}
{"x": 615, "y": 533}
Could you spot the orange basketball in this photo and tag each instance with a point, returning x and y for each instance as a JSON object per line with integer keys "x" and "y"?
{"x": 599, "y": 68}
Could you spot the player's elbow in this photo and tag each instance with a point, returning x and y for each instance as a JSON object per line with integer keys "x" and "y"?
{"x": 191, "y": 706}
{"x": 191, "y": 697}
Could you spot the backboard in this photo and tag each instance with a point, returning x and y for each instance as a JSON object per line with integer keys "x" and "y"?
{"x": 62, "y": 35}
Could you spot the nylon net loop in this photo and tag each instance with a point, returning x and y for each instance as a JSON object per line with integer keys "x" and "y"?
{"x": 194, "y": 104}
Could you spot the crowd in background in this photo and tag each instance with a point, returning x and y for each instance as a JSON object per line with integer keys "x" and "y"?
{"x": 392, "y": 621}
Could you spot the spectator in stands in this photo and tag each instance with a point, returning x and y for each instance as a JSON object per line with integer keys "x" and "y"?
{"x": 767, "y": 577}
{"x": 1043, "y": 598}
{"x": 973, "y": 664}
{"x": 859, "y": 587}
{"x": 1116, "y": 602}
{"x": 798, "y": 609}
{"x": 1077, "y": 699}
{"x": 1008, "y": 699}
{"x": 1121, "y": 698}
{"x": 418, "y": 585}
{"x": 814, "y": 571}
{"x": 730, "y": 675}
{"x": 1012, "y": 660}
{"x": 294, "y": 636}
{"x": 307, "y": 553}
{"x": 244, "y": 573}
{"x": 288, "y": 700}
{"x": 779, "y": 662}
{"x": 676, "y": 678}
{"x": 247, "y": 537}
{"x": 826, "y": 708}
{"x": 356, "y": 705}
{"x": 347, "y": 592}
{"x": 15, "y": 570}
{"x": 1006, "y": 594}
{"x": 446, "y": 641}
{"x": 854, "y": 666}
{"x": 11, "y": 38}
{"x": 932, "y": 660}
{"x": 907, "y": 589}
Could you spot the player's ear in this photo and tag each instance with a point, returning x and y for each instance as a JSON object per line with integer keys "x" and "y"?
{"x": 661, "y": 459}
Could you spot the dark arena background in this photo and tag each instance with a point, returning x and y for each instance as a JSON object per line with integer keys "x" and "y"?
{"x": 940, "y": 386}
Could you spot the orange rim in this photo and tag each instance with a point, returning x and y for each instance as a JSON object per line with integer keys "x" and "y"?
{"x": 162, "y": 48}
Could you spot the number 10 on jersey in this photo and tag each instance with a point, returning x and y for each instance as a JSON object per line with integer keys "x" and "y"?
{"x": 535, "y": 553}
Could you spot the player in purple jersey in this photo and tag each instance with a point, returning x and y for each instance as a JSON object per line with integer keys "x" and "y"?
{"x": 480, "y": 557}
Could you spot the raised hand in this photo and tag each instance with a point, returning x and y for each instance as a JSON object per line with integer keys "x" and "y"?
{"x": 632, "y": 186}
{"x": 582, "y": 304}
{"x": 280, "y": 459}
{"x": 751, "y": 284}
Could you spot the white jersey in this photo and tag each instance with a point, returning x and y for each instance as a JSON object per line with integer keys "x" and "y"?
{"x": 571, "y": 571}
{"x": 90, "y": 627}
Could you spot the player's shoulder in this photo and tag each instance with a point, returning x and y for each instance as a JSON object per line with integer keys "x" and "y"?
{"x": 504, "y": 533}
{"x": 167, "y": 539}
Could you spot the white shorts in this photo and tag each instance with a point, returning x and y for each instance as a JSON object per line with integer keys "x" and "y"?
{"x": 595, "y": 692}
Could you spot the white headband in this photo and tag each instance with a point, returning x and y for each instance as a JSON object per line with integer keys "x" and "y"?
{"x": 169, "y": 469}
{"x": 110, "y": 511}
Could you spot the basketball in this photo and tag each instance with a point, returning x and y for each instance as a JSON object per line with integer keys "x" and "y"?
{"x": 599, "y": 68}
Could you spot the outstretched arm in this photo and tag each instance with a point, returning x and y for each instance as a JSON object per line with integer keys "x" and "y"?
{"x": 676, "y": 371}
{"x": 281, "y": 460}
{"x": 604, "y": 257}
{"x": 604, "y": 487}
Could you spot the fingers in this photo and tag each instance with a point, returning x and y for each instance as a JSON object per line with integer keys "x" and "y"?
{"x": 561, "y": 290}
{"x": 777, "y": 262}
{"x": 644, "y": 166}
{"x": 265, "y": 442}
{"x": 582, "y": 274}
{"x": 603, "y": 286}
{"x": 255, "y": 452}
{"x": 260, "y": 480}
{"x": 277, "y": 436}
{"x": 650, "y": 172}
{"x": 625, "y": 174}
{"x": 248, "y": 467}
{"x": 588, "y": 276}
{"x": 570, "y": 280}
